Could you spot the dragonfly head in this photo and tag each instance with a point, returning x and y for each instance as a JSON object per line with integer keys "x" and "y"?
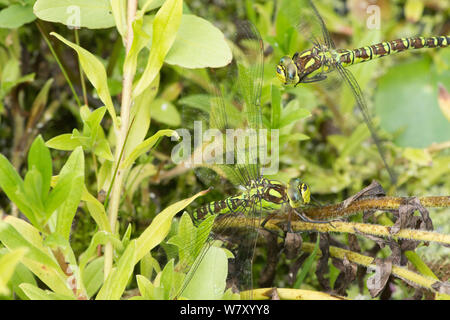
{"x": 287, "y": 71}
{"x": 298, "y": 193}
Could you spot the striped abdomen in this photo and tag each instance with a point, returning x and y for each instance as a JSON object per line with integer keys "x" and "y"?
{"x": 349, "y": 57}
{"x": 219, "y": 207}
{"x": 269, "y": 195}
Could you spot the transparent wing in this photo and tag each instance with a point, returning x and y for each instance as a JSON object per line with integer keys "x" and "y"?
{"x": 235, "y": 117}
{"x": 351, "y": 82}
{"x": 234, "y": 124}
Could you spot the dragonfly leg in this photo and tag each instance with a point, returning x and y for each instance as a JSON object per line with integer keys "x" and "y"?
{"x": 270, "y": 216}
{"x": 306, "y": 219}
{"x": 315, "y": 78}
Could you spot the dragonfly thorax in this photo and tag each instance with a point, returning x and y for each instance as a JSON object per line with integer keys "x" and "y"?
{"x": 304, "y": 66}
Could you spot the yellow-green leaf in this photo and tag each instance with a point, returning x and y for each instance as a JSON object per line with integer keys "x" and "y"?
{"x": 8, "y": 263}
{"x": 165, "y": 27}
{"x": 95, "y": 72}
{"x": 159, "y": 228}
{"x": 145, "y": 146}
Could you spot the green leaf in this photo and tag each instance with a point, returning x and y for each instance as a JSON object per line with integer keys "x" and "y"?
{"x": 76, "y": 13}
{"x": 410, "y": 109}
{"x": 95, "y": 72}
{"x": 117, "y": 280}
{"x": 8, "y": 263}
{"x": 205, "y": 284}
{"x": 165, "y": 112}
{"x": 292, "y": 113}
{"x": 64, "y": 141}
{"x": 93, "y": 276}
{"x": 99, "y": 238}
{"x": 207, "y": 45}
{"x": 119, "y": 11}
{"x": 73, "y": 168}
{"x": 37, "y": 260}
{"x": 146, "y": 145}
{"x": 165, "y": 27}
{"x": 160, "y": 226}
{"x": 12, "y": 184}
{"x": 35, "y": 293}
{"x": 16, "y": 16}
{"x": 21, "y": 275}
{"x": 307, "y": 265}
{"x": 96, "y": 210}
{"x": 39, "y": 157}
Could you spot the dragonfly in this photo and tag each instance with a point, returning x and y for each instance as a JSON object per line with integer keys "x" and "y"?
{"x": 314, "y": 64}
{"x": 238, "y": 217}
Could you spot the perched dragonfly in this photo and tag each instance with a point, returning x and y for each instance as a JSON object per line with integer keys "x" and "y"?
{"x": 237, "y": 219}
{"x": 314, "y": 64}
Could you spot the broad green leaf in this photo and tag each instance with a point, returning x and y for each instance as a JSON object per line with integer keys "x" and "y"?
{"x": 76, "y": 13}
{"x": 165, "y": 112}
{"x": 8, "y": 263}
{"x": 16, "y": 16}
{"x": 95, "y": 72}
{"x": 205, "y": 284}
{"x": 145, "y": 286}
{"x": 147, "y": 265}
{"x": 21, "y": 275}
{"x": 119, "y": 11}
{"x": 38, "y": 261}
{"x": 145, "y": 146}
{"x": 12, "y": 239}
{"x": 32, "y": 185}
{"x": 27, "y": 231}
{"x": 12, "y": 184}
{"x": 93, "y": 276}
{"x": 160, "y": 226}
{"x": 165, "y": 27}
{"x": 292, "y": 113}
{"x": 64, "y": 141}
{"x": 74, "y": 167}
{"x": 35, "y": 293}
{"x": 96, "y": 210}
{"x": 206, "y": 43}
{"x": 117, "y": 280}
{"x": 410, "y": 109}
{"x": 40, "y": 158}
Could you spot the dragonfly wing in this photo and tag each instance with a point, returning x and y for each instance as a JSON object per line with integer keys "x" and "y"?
{"x": 351, "y": 82}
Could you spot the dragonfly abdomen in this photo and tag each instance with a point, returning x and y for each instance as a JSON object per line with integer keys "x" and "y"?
{"x": 227, "y": 205}
{"x": 350, "y": 57}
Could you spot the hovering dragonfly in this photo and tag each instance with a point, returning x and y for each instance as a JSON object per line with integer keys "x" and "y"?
{"x": 314, "y": 64}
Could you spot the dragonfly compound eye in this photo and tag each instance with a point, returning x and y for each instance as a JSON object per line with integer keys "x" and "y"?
{"x": 305, "y": 192}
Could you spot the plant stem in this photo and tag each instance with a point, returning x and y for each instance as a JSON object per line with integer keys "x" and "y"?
{"x": 121, "y": 134}
{"x": 83, "y": 84}
{"x": 63, "y": 70}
